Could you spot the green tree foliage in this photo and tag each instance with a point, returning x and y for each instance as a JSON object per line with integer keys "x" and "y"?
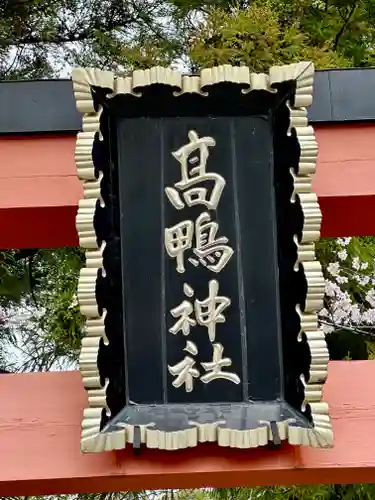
{"x": 330, "y": 32}
{"x": 329, "y": 492}
{"x": 38, "y": 38}
{"x": 40, "y": 322}
{"x": 162, "y": 495}
{"x": 267, "y": 33}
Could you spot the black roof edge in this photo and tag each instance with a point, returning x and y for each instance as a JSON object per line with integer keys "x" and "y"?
{"x": 325, "y": 70}
{"x": 48, "y": 107}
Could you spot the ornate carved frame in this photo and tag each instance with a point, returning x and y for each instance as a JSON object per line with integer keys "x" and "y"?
{"x": 88, "y": 84}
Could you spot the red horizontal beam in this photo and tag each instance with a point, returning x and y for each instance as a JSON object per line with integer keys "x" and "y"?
{"x": 40, "y": 435}
{"x": 39, "y": 190}
{"x": 345, "y": 179}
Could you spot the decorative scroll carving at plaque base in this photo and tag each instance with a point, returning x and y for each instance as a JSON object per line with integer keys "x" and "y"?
{"x": 172, "y": 427}
{"x": 302, "y": 418}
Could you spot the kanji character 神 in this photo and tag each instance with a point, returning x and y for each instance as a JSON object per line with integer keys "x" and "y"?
{"x": 208, "y": 312}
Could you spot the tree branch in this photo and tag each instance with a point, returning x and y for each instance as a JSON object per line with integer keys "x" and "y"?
{"x": 344, "y": 26}
{"x": 66, "y": 37}
{"x": 12, "y": 64}
{"x": 143, "y": 18}
{"x": 34, "y": 40}
{"x": 363, "y": 330}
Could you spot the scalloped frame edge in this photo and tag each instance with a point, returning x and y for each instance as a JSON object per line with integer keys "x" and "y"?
{"x": 92, "y": 440}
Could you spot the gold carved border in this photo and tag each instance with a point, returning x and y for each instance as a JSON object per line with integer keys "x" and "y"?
{"x": 321, "y": 434}
{"x": 92, "y": 440}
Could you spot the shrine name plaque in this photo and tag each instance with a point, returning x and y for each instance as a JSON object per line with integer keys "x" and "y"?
{"x": 201, "y": 285}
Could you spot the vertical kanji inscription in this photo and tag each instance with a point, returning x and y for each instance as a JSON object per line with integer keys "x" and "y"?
{"x": 202, "y": 244}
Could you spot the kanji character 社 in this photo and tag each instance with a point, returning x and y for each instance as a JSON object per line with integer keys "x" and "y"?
{"x": 212, "y": 253}
{"x": 178, "y": 239}
{"x": 208, "y": 311}
{"x": 214, "y": 367}
{"x": 193, "y": 180}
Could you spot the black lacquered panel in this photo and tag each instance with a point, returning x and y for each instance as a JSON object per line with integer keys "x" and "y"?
{"x": 199, "y": 260}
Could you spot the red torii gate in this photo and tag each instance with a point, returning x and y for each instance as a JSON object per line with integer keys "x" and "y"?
{"x": 41, "y": 417}
{"x": 39, "y": 188}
